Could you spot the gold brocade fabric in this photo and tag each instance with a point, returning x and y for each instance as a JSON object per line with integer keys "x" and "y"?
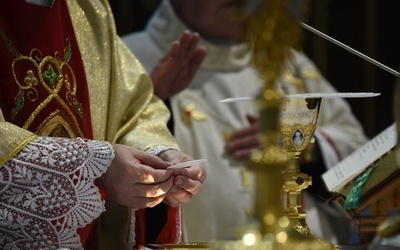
{"x": 123, "y": 107}
{"x": 16, "y": 139}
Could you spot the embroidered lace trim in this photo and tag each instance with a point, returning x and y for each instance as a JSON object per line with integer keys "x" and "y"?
{"x": 132, "y": 234}
{"x": 47, "y": 191}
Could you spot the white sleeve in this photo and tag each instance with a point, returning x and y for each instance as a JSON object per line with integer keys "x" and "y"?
{"x": 47, "y": 192}
{"x": 329, "y": 153}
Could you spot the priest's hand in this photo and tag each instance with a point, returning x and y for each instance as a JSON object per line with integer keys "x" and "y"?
{"x": 136, "y": 179}
{"x": 243, "y": 142}
{"x": 176, "y": 69}
{"x": 187, "y": 181}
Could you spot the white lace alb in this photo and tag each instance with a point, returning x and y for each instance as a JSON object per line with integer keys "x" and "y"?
{"x": 47, "y": 191}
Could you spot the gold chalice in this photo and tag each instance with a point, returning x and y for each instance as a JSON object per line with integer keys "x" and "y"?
{"x": 293, "y": 120}
{"x": 298, "y": 121}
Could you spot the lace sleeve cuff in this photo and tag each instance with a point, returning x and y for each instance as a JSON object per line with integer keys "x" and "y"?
{"x": 47, "y": 191}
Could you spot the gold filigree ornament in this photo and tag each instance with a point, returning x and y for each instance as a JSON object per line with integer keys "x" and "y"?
{"x": 51, "y": 73}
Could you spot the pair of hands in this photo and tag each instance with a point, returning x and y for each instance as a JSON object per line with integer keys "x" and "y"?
{"x": 137, "y": 179}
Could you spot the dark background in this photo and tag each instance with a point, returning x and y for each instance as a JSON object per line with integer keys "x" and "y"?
{"x": 369, "y": 26}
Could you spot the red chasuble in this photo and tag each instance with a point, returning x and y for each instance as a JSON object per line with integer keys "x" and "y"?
{"x": 43, "y": 83}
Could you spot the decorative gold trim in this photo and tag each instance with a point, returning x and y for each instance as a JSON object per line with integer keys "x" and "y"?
{"x": 30, "y": 81}
{"x": 295, "y": 181}
{"x": 17, "y": 149}
{"x": 53, "y": 90}
{"x": 287, "y": 132}
{"x": 54, "y": 119}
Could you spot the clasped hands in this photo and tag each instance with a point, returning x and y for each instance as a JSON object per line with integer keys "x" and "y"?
{"x": 137, "y": 179}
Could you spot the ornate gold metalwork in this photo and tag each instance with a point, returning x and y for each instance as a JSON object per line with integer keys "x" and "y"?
{"x": 288, "y": 134}
{"x": 272, "y": 29}
{"x": 298, "y": 122}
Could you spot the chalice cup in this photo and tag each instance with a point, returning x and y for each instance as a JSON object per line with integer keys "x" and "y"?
{"x": 298, "y": 122}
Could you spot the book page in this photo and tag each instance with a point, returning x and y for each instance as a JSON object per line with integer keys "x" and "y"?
{"x": 350, "y": 167}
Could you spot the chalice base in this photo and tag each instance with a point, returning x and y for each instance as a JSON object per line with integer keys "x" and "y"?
{"x": 302, "y": 233}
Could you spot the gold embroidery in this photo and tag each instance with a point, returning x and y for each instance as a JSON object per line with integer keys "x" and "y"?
{"x": 52, "y": 73}
{"x": 58, "y": 124}
{"x": 30, "y": 78}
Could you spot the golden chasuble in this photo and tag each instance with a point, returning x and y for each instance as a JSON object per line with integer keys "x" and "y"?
{"x": 42, "y": 71}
